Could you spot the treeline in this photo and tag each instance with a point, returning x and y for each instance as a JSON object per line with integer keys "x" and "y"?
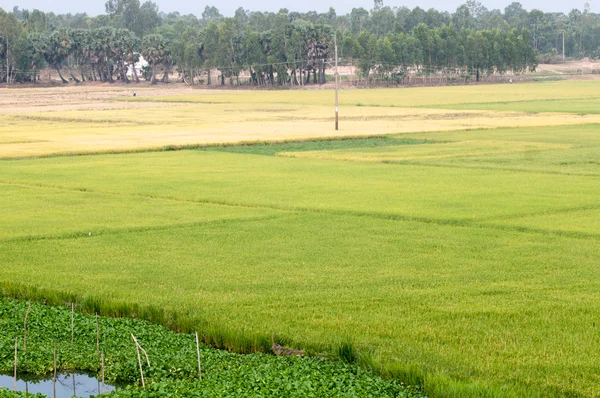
{"x": 286, "y": 47}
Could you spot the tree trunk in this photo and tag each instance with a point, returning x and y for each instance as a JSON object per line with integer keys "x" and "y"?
{"x": 153, "y": 79}
{"x": 60, "y": 75}
{"x": 123, "y": 69}
{"x": 208, "y": 81}
{"x": 323, "y": 77}
{"x": 252, "y": 75}
{"x": 135, "y": 75}
{"x": 74, "y": 78}
{"x": 320, "y": 75}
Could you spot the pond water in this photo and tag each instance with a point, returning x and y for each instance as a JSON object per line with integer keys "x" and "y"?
{"x": 67, "y": 385}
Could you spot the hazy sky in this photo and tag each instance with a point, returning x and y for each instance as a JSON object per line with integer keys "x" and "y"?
{"x": 227, "y": 7}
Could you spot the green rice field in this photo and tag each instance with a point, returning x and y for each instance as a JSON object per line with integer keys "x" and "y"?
{"x": 466, "y": 261}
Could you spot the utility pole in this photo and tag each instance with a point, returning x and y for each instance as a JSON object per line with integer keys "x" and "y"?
{"x": 337, "y": 76}
{"x": 7, "y": 65}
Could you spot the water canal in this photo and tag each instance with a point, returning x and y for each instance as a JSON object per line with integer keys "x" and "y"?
{"x": 67, "y": 385}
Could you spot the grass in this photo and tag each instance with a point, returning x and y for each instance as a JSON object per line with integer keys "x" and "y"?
{"x": 489, "y": 316}
{"x": 439, "y": 151}
{"x": 56, "y": 212}
{"x": 270, "y": 149}
{"x": 575, "y": 106}
{"x": 314, "y": 185}
{"x": 336, "y": 250}
{"x": 568, "y": 150}
{"x": 403, "y": 98}
{"x": 463, "y": 260}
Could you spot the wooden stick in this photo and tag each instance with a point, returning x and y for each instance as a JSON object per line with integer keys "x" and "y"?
{"x": 97, "y": 336}
{"x": 54, "y": 378}
{"x": 16, "y": 345}
{"x": 142, "y": 348}
{"x": 145, "y": 354}
{"x": 25, "y": 327}
{"x": 72, "y": 322}
{"x": 198, "y": 351}
{"x": 137, "y": 348}
{"x": 102, "y": 373}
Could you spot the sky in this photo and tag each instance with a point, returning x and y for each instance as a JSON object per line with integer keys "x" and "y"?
{"x": 227, "y": 7}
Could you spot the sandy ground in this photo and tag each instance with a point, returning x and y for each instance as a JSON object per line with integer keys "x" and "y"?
{"x": 48, "y": 98}
{"x": 581, "y": 67}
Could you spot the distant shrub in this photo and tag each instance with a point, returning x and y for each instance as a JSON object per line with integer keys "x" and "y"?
{"x": 551, "y": 59}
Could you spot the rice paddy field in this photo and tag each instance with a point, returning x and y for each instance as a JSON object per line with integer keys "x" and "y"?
{"x": 450, "y": 235}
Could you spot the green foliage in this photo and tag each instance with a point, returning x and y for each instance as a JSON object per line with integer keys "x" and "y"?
{"x": 10, "y": 31}
{"x": 155, "y": 52}
{"x": 173, "y": 369}
{"x": 275, "y": 48}
{"x": 472, "y": 39}
{"x": 56, "y": 48}
{"x": 28, "y": 57}
{"x": 6, "y": 393}
{"x": 141, "y": 19}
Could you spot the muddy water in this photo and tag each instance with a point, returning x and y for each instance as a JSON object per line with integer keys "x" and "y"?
{"x": 67, "y": 385}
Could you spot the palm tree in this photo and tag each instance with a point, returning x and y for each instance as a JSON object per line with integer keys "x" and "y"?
{"x": 57, "y": 48}
{"x": 153, "y": 51}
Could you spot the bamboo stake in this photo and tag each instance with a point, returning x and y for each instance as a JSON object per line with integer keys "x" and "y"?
{"x": 72, "y": 322}
{"x": 145, "y": 354}
{"x": 198, "y": 351}
{"x": 102, "y": 373}
{"x": 16, "y": 345}
{"x": 25, "y": 327}
{"x": 54, "y": 378}
{"x": 97, "y": 336}
{"x": 137, "y": 348}
{"x": 144, "y": 351}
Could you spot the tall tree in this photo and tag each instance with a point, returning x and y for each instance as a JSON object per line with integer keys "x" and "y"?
{"x": 154, "y": 48}
{"x": 10, "y": 30}
{"x": 211, "y": 48}
{"x": 56, "y": 49}
{"x": 229, "y": 46}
